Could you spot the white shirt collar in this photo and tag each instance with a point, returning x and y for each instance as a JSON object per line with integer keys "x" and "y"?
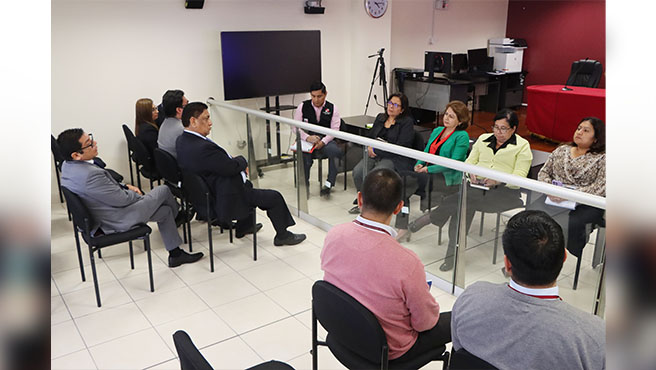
{"x": 553, "y": 291}
{"x": 195, "y": 133}
{"x": 387, "y": 228}
{"x": 90, "y": 161}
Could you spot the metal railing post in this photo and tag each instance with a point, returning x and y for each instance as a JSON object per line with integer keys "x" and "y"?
{"x": 301, "y": 188}
{"x": 252, "y": 161}
{"x": 461, "y": 245}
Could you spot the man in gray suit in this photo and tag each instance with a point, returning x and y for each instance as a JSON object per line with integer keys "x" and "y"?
{"x": 174, "y": 102}
{"x": 117, "y": 207}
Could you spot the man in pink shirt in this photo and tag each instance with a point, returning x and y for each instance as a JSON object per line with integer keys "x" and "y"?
{"x": 364, "y": 259}
{"x": 320, "y": 112}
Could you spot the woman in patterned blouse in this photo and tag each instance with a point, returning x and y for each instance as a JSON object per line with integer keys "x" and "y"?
{"x": 580, "y": 165}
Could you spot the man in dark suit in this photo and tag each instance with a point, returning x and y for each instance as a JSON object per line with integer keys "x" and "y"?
{"x": 118, "y": 207}
{"x": 234, "y": 195}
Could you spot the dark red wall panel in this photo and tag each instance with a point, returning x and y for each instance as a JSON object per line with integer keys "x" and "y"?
{"x": 558, "y": 33}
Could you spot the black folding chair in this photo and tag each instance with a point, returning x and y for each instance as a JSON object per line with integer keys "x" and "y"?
{"x": 168, "y": 167}
{"x": 355, "y": 336}
{"x": 192, "y": 359}
{"x": 463, "y": 360}
{"x": 83, "y": 221}
{"x": 145, "y": 165}
{"x": 198, "y": 193}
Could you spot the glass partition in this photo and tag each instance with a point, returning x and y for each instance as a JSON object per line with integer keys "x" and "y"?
{"x": 455, "y": 229}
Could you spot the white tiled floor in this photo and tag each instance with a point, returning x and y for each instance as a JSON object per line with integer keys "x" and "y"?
{"x": 244, "y": 313}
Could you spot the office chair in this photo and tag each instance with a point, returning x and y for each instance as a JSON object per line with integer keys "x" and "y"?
{"x": 191, "y": 358}
{"x": 198, "y": 193}
{"x": 83, "y": 221}
{"x": 355, "y": 336}
{"x": 463, "y": 360}
{"x": 168, "y": 168}
{"x": 585, "y": 72}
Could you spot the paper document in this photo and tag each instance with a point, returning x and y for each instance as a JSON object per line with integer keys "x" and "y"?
{"x": 306, "y": 147}
{"x": 477, "y": 186}
{"x": 569, "y": 204}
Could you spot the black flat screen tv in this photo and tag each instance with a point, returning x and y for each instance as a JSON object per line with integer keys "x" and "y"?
{"x": 268, "y": 63}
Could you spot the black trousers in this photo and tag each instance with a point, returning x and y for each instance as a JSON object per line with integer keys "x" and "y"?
{"x": 427, "y": 340}
{"x": 498, "y": 198}
{"x": 275, "y": 206}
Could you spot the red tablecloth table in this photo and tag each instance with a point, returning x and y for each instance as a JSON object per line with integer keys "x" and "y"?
{"x": 555, "y": 114}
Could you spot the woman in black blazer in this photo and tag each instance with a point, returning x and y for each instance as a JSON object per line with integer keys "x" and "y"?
{"x": 395, "y": 126}
{"x": 145, "y": 128}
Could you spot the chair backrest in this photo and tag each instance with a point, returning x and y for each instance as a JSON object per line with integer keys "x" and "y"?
{"x": 81, "y": 216}
{"x": 463, "y": 360}
{"x": 585, "y": 72}
{"x": 197, "y": 192}
{"x": 348, "y": 321}
{"x": 129, "y": 137}
{"x": 418, "y": 143}
{"x": 56, "y": 151}
{"x": 190, "y": 356}
{"x": 167, "y": 166}
{"x": 139, "y": 151}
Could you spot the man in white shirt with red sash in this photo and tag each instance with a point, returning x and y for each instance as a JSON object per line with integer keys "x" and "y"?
{"x": 524, "y": 324}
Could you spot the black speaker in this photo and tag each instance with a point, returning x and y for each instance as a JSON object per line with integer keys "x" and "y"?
{"x": 194, "y": 4}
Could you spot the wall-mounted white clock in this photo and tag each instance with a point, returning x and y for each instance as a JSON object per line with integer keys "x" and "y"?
{"x": 376, "y": 8}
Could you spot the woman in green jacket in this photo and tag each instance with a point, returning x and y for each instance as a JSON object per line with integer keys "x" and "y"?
{"x": 450, "y": 141}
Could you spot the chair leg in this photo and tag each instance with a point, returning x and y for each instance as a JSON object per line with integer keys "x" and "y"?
{"x": 209, "y": 239}
{"x": 254, "y": 235}
{"x": 99, "y": 254}
{"x": 496, "y": 239}
{"x": 439, "y": 236}
{"x": 315, "y": 352}
{"x": 150, "y": 262}
{"x": 79, "y": 252}
{"x": 190, "y": 239}
{"x": 480, "y": 231}
{"x": 576, "y": 273}
{"x": 320, "y": 173}
{"x": 95, "y": 277}
{"x": 130, "y": 165}
{"x": 183, "y": 205}
{"x": 230, "y": 231}
{"x": 151, "y": 184}
{"x": 138, "y": 177}
{"x": 131, "y": 255}
{"x": 61, "y": 196}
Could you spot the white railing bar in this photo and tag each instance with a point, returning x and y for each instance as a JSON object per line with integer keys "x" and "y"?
{"x": 523, "y": 182}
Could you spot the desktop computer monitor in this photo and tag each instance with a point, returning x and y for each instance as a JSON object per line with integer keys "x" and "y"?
{"x": 437, "y": 62}
{"x": 459, "y": 63}
{"x": 479, "y": 61}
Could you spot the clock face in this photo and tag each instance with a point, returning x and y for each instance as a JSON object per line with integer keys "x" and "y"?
{"x": 375, "y": 8}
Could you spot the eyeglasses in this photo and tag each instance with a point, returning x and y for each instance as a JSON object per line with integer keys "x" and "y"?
{"x": 88, "y": 146}
{"x": 392, "y": 104}
{"x": 501, "y": 128}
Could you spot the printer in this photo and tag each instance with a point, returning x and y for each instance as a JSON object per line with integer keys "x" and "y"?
{"x": 508, "y": 53}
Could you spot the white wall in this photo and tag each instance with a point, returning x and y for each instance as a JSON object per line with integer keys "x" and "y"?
{"x": 467, "y": 24}
{"x": 106, "y": 54}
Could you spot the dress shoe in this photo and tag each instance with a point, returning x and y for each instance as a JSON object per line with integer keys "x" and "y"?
{"x": 325, "y": 191}
{"x": 447, "y": 264}
{"x": 289, "y": 239}
{"x": 241, "y": 233}
{"x": 355, "y": 210}
{"x": 183, "y": 258}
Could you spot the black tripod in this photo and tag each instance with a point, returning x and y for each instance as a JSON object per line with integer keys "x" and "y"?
{"x": 380, "y": 62}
